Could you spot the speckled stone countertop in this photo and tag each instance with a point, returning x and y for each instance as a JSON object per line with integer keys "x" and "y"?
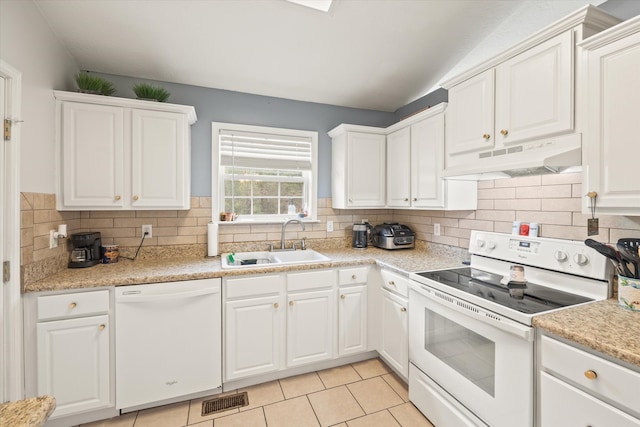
{"x": 126, "y": 272}
{"x": 603, "y": 326}
{"x": 32, "y": 412}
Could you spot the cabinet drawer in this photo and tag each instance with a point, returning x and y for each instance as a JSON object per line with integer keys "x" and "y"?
{"x": 254, "y": 285}
{"x": 395, "y": 283}
{"x": 73, "y": 305}
{"x": 349, "y": 276}
{"x": 311, "y": 280}
{"x": 563, "y": 405}
{"x": 613, "y": 382}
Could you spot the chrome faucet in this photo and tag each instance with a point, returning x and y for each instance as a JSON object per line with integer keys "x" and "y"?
{"x": 284, "y": 226}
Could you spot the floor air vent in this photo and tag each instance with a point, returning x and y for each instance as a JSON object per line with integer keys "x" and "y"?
{"x": 224, "y": 403}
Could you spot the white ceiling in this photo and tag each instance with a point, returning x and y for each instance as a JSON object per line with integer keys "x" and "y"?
{"x": 375, "y": 54}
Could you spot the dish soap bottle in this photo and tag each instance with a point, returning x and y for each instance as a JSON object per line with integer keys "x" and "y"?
{"x": 292, "y": 208}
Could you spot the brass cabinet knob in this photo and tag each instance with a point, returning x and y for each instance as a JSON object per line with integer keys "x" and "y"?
{"x": 504, "y": 132}
{"x": 291, "y": 303}
{"x": 415, "y": 199}
{"x": 117, "y": 197}
{"x": 135, "y": 197}
{"x": 403, "y": 309}
{"x": 590, "y": 374}
{"x": 354, "y": 277}
{"x": 392, "y": 283}
{"x": 276, "y": 305}
{"x": 343, "y": 296}
{"x": 350, "y": 200}
{"x": 72, "y": 305}
{"x": 406, "y": 199}
{"x": 486, "y": 136}
{"x": 101, "y": 327}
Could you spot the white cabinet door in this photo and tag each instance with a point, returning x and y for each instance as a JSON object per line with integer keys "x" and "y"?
{"x": 612, "y": 151}
{"x": 395, "y": 341}
{"x": 427, "y": 157}
{"x": 563, "y": 405}
{"x": 311, "y": 325}
{"x": 92, "y": 152}
{"x": 352, "y": 320}
{"x": 253, "y": 336}
{"x": 159, "y": 157}
{"x": 73, "y": 363}
{"x": 534, "y": 92}
{"x": 399, "y": 168}
{"x": 470, "y": 114}
{"x": 365, "y": 170}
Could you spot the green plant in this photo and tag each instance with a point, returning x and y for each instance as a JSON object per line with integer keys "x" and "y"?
{"x": 148, "y": 91}
{"x": 93, "y": 84}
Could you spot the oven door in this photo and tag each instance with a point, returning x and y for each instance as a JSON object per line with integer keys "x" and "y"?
{"x": 483, "y": 360}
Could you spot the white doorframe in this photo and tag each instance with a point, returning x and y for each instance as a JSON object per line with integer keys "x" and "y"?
{"x": 11, "y": 359}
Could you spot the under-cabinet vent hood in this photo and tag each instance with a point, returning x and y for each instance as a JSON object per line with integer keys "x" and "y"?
{"x": 557, "y": 155}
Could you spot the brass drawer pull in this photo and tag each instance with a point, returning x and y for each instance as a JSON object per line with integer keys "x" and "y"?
{"x": 276, "y": 305}
{"x": 403, "y": 309}
{"x": 101, "y": 327}
{"x": 504, "y": 132}
{"x": 117, "y": 197}
{"x": 343, "y": 296}
{"x": 291, "y": 303}
{"x": 486, "y": 136}
{"x": 590, "y": 374}
{"x": 73, "y": 305}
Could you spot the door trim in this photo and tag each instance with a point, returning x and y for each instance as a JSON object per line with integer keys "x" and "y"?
{"x": 13, "y": 369}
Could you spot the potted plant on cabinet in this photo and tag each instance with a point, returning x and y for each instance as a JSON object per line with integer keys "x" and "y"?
{"x": 150, "y": 92}
{"x": 88, "y": 83}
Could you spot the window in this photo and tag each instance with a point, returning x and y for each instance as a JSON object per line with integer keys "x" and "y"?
{"x": 264, "y": 174}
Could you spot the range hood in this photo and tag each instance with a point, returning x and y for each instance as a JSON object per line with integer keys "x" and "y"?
{"x": 559, "y": 155}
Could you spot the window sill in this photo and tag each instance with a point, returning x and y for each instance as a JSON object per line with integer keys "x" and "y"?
{"x": 264, "y": 222}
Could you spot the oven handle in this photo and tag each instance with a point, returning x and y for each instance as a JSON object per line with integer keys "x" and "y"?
{"x": 475, "y": 312}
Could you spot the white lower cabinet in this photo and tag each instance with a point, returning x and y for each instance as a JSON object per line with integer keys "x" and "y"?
{"x": 73, "y": 363}
{"x": 310, "y": 326}
{"x": 352, "y": 320}
{"x": 578, "y": 388}
{"x": 394, "y": 342}
{"x": 282, "y": 321}
{"x": 254, "y": 314}
{"x": 68, "y": 351}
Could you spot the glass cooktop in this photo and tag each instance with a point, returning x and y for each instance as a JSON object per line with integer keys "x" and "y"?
{"x": 526, "y": 298}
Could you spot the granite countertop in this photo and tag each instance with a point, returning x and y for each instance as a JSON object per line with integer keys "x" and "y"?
{"x": 603, "y": 326}
{"x": 32, "y": 412}
{"x": 127, "y": 272}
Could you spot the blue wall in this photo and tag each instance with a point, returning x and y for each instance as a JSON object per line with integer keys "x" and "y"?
{"x": 215, "y": 105}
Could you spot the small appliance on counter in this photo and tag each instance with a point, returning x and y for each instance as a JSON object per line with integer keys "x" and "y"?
{"x": 86, "y": 249}
{"x": 361, "y": 235}
{"x": 392, "y": 235}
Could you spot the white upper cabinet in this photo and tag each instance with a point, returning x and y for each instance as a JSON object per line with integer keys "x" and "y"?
{"x": 415, "y": 160}
{"x": 611, "y": 70}
{"x": 534, "y": 92}
{"x": 522, "y": 102}
{"x": 358, "y": 167}
{"x": 470, "y": 114}
{"x": 118, "y": 153}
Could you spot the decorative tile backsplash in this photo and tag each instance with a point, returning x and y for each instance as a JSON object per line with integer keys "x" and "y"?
{"x": 553, "y": 201}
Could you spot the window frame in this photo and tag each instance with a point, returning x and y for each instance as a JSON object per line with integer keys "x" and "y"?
{"x": 217, "y": 181}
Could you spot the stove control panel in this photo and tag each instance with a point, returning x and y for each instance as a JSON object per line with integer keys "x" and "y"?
{"x": 568, "y": 256}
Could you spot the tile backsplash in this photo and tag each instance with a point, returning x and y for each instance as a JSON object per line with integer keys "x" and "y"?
{"x": 553, "y": 201}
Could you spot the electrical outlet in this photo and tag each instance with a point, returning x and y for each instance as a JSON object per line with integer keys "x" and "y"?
{"x": 329, "y": 226}
{"x": 436, "y": 229}
{"x": 147, "y": 228}
{"x": 53, "y": 239}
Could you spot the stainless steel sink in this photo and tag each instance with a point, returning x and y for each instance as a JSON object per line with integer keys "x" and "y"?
{"x": 263, "y": 259}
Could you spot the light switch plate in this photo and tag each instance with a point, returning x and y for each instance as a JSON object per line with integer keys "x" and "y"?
{"x": 329, "y": 226}
{"x": 436, "y": 229}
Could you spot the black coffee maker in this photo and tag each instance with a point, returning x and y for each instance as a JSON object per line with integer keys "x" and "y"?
{"x": 361, "y": 235}
{"x": 86, "y": 249}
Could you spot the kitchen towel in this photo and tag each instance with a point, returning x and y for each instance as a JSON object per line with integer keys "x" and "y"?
{"x": 212, "y": 239}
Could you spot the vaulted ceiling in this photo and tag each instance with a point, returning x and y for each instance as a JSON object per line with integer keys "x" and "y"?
{"x": 374, "y": 54}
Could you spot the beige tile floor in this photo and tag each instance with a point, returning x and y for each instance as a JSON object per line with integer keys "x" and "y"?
{"x": 363, "y": 394}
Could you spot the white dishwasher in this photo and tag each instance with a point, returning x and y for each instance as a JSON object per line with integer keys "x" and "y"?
{"x": 168, "y": 342}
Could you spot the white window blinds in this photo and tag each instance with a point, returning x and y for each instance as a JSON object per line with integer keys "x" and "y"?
{"x": 257, "y": 150}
